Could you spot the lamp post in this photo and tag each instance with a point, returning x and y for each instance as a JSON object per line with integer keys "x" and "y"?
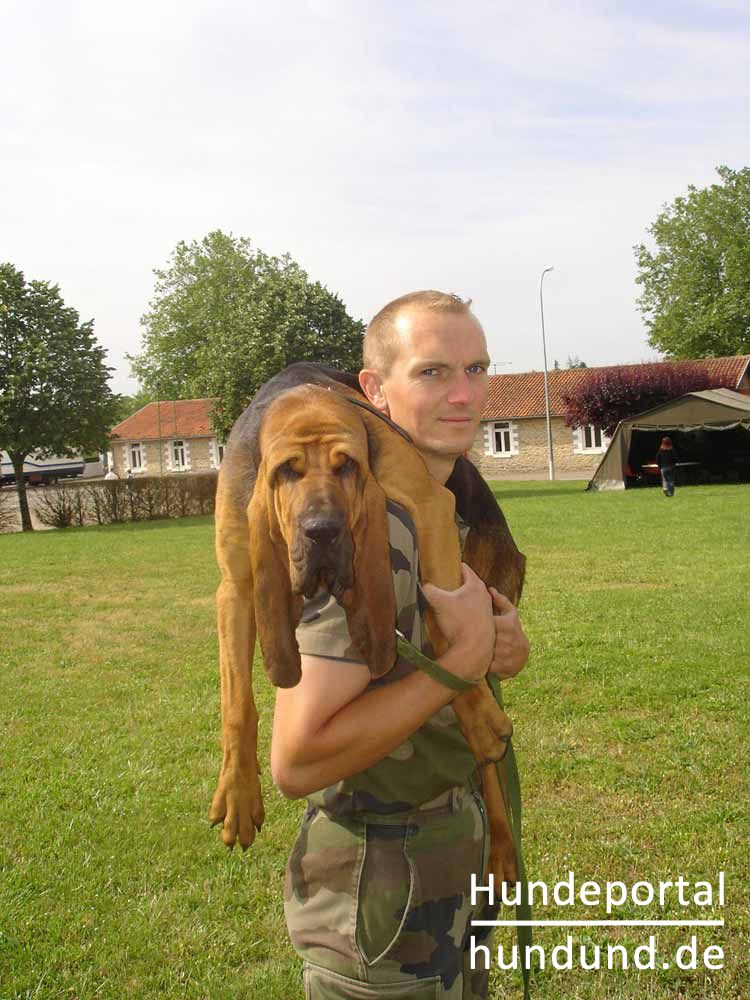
{"x": 546, "y": 377}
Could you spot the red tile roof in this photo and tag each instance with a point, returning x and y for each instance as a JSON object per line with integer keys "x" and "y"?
{"x": 522, "y": 395}
{"x": 181, "y": 418}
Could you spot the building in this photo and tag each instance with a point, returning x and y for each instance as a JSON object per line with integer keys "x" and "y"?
{"x": 173, "y": 437}
{"x": 166, "y": 438}
{"x": 512, "y": 438}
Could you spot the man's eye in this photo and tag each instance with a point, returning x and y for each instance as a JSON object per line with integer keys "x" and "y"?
{"x": 477, "y": 369}
{"x": 429, "y": 372}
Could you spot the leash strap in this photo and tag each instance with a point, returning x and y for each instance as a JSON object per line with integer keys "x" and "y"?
{"x": 432, "y": 669}
{"x": 510, "y": 787}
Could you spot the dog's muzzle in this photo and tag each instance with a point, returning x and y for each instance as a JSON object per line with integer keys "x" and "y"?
{"x": 322, "y": 555}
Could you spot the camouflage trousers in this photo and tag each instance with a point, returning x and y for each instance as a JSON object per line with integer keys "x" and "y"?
{"x": 379, "y": 906}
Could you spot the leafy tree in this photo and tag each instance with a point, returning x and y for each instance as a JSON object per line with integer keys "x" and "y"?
{"x": 54, "y": 393}
{"x": 610, "y": 395}
{"x": 696, "y": 285}
{"x": 225, "y": 317}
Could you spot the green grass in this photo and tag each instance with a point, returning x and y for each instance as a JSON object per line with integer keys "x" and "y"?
{"x": 631, "y": 732}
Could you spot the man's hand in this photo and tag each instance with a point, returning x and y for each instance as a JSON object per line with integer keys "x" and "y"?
{"x": 465, "y": 619}
{"x": 511, "y": 644}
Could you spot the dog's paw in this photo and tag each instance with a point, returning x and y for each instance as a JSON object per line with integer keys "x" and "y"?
{"x": 238, "y": 805}
{"x": 503, "y": 863}
{"x": 486, "y": 727}
{"x": 490, "y": 734}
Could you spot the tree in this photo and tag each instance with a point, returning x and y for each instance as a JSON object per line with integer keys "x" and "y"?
{"x": 573, "y": 361}
{"x": 696, "y": 285}
{"x": 225, "y": 317}
{"x": 54, "y": 393}
{"x": 613, "y": 394}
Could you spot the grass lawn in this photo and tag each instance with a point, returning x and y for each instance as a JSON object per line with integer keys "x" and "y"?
{"x": 631, "y": 718}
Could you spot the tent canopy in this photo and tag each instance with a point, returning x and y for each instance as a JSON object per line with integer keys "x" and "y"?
{"x": 693, "y": 416}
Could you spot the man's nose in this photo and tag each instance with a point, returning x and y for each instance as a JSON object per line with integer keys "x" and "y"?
{"x": 460, "y": 390}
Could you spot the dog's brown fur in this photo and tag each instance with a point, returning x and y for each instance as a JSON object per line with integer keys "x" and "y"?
{"x": 301, "y": 503}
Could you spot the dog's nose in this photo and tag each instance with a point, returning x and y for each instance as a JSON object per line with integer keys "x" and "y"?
{"x": 322, "y": 530}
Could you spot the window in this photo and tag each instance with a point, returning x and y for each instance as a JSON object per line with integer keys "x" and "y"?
{"x": 592, "y": 436}
{"x": 216, "y": 453}
{"x": 136, "y": 456}
{"x": 589, "y": 439}
{"x": 501, "y": 438}
{"x": 178, "y": 455}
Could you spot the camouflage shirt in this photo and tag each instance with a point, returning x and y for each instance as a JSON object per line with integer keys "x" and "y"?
{"x": 436, "y": 757}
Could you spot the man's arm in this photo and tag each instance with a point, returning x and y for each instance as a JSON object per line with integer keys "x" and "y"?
{"x": 330, "y": 726}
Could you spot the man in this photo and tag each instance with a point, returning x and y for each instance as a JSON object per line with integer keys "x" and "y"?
{"x": 377, "y": 894}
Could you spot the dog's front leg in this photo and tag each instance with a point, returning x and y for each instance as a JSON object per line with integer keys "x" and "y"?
{"x": 238, "y": 801}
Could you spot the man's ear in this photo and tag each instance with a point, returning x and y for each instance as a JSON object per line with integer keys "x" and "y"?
{"x": 372, "y": 386}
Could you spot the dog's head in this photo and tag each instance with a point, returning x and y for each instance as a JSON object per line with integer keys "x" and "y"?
{"x": 318, "y": 523}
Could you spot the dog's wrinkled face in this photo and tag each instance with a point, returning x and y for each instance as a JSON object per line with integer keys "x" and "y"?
{"x": 314, "y": 451}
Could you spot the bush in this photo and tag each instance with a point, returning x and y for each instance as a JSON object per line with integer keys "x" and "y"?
{"x": 118, "y": 500}
{"x": 56, "y": 507}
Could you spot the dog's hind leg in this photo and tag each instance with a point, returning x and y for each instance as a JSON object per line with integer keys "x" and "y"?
{"x": 238, "y": 801}
{"x": 503, "y": 863}
{"x": 403, "y": 476}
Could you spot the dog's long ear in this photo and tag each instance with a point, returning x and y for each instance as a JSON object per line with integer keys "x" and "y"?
{"x": 490, "y": 548}
{"x": 370, "y": 605}
{"x": 277, "y": 610}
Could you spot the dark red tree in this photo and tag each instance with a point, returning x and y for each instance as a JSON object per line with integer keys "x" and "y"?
{"x": 614, "y": 394}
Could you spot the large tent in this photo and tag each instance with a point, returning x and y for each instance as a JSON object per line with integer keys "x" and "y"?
{"x": 710, "y": 429}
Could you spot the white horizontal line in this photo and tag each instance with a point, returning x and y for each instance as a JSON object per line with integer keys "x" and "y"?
{"x": 597, "y": 923}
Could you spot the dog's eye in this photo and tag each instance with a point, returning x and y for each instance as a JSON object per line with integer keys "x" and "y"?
{"x": 287, "y": 472}
{"x": 347, "y": 468}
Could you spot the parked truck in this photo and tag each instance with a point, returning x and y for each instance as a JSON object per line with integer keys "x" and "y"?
{"x": 37, "y": 471}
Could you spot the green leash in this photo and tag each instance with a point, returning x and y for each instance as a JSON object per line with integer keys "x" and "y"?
{"x": 510, "y": 787}
{"x": 432, "y": 669}
{"x": 507, "y": 769}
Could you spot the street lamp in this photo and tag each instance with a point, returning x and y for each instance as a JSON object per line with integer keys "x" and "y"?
{"x": 546, "y": 378}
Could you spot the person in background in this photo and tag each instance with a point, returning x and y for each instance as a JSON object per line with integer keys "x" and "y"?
{"x": 666, "y": 459}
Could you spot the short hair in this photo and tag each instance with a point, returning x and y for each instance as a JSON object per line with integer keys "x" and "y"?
{"x": 381, "y": 341}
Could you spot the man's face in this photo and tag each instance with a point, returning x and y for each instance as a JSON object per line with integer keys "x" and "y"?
{"x": 437, "y": 387}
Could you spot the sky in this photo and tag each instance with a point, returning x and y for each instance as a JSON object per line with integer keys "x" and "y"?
{"x": 386, "y": 146}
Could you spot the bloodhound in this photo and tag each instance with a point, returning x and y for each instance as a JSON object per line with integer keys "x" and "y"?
{"x": 300, "y": 505}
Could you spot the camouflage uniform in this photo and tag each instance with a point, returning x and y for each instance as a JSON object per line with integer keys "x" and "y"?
{"x": 377, "y": 893}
